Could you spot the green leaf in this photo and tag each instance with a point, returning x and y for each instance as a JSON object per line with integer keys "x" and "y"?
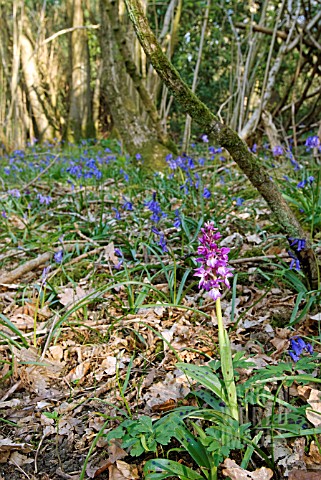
{"x": 160, "y": 468}
{"x": 193, "y": 446}
{"x": 205, "y": 376}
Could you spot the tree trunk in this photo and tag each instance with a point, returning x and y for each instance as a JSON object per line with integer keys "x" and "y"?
{"x": 137, "y": 136}
{"x": 224, "y": 136}
{"x": 35, "y": 90}
{"x": 80, "y": 122}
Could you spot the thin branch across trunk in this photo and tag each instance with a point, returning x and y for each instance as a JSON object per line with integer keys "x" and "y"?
{"x": 224, "y": 136}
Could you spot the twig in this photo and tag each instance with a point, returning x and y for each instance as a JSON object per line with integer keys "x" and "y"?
{"x": 41, "y": 173}
{"x": 257, "y": 259}
{"x": 10, "y": 277}
{"x": 77, "y": 259}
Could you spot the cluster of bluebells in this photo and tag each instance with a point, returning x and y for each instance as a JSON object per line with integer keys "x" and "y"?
{"x": 277, "y": 151}
{"x": 177, "y": 220}
{"x": 303, "y": 183}
{"x": 297, "y": 244}
{"x": 312, "y": 142}
{"x": 155, "y": 208}
{"x": 85, "y": 168}
{"x": 298, "y": 346}
{"x": 161, "y": 240}
{"x": 58, "y": 256}
{"x": 214, "y": 270}
{"x": 14, "y": 192}
{"x": 119, "y": 253}
{"x": 44, "y": 199}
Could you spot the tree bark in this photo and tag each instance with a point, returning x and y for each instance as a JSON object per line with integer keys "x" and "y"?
{"x": 225, "y": 137}
{"x": 80, "y": 122}
{"x": 138, "y": 137}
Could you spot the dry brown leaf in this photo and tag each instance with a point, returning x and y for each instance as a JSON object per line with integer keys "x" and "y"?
{"x": 36, "y": 377}
{"x": 303, "y": 475}
{"x": 115, "y": 454}
{"x": 109, "y": 253}
{"x": 232, "y": 470}
{"x": 314, "y": 456}
{"x": 78, "y": 372}
{"x": 313, "y": 397}
{"x": 123, "y": 471}
{"x": 7, "y": 446}
{"x": 23, "y": 321}
{"x": 174, "y": 387}
{"x": 17, "y": 222}
{"x": 17, "y": 458}
{"x": 281, "y": 344}
{"x": 69, "y": 296}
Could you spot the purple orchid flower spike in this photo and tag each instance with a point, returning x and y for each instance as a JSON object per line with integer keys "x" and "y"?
{"x": 214, "y": 270}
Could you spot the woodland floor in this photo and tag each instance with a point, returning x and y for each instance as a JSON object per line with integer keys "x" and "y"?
{"x": 98, "y": 341}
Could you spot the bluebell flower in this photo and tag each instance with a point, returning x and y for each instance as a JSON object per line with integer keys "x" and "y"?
{"x": 14, "y": 192}
{"x": 206, "y": 193}
{"x": 138, "y": 156}
{"x": 238, "y": 200}
{"x": 204, "y": 138}
{"x": 197, "y": 180}
{"x": 125, "y": 175}
{"x": 44, "y": 275}
{"x": 177, "y": 221}
{"x": 162, "y": 243}
{"x": 254, "y": 148}
{"x": 58, "y": 256}
{"x": 277, "y": 151}
{"x": 298, "y": 243}
{"x": 44, "y": 199}
{"x": 312, "y": 142}
{"x": 301, "y": 184}
{"x": 117, "y": 214}
{"x": 119, "y": 253}
{"x": 298, "y": 346}
{"x": 127, "y": 205}
{"x": 295, "y": 262}
{"x": 155, "y": 208}
{"x": 201, "y": 161}
{"x": 4, "y": 214}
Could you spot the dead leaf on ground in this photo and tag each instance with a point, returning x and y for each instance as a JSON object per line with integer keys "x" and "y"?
{"x": 232, "y": 470}
{"x": 7, "y": 446}
{"x": 303, "y": 475}
{"x": 314, "y": 456}
{"x": 313, "y": 397}
{"x": 69, "y": 296}
{"x": 109, "y": 253}
{"x": 123, "y": 471}
{"x": 115, "y": 453}
{"x": 174, "y": 387}
{"x": 17, "y": 458}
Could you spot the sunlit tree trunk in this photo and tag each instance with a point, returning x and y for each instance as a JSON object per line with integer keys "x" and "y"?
{"x": 138, "y": 136}
{"x": 80, "y": 121}
{"x": 34, "y": 87}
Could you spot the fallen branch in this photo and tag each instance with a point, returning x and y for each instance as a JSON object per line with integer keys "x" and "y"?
{"x": 18, "y": 272}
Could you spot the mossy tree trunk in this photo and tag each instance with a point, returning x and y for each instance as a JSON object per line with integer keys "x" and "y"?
{"x": 136, "y": 134}
{"x": 225, "y": 137}
{"x": 80, "y": 122}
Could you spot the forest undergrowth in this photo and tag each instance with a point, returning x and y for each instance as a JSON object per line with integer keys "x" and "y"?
{"x": 111, "y": 357}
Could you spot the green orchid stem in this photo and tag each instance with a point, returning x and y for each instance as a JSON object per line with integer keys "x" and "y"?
{"x": 227, "y": 363}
